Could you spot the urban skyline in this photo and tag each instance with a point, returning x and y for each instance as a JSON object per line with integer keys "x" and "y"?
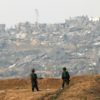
{"x": 49, "y": 11}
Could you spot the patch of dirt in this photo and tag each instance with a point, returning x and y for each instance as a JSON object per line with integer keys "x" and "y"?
{"x": 80, "y": 88}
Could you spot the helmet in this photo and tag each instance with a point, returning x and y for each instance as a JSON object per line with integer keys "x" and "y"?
{"x": 33, "y": 70}
{"x": 64, "y": 68}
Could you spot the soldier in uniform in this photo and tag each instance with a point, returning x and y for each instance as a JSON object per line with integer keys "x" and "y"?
{"x": 65, "y": 77}
{"x": 34, "y": 80}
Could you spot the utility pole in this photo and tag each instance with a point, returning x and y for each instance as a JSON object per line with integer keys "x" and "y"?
{"x": 37, "y": 19}
{"x": 36, "y": 16}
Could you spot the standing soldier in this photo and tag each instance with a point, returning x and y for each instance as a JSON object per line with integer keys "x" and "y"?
{"x": 65, "y": 77}
{"x": 34, "y": 80}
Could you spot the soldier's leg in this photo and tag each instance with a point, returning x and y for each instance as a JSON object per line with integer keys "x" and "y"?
{"x": 33, "y": 87}
{"x": 63, "y": 83}
{"x": 36, "y": 87}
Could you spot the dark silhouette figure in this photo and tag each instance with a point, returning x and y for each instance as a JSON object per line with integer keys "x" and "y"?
{"x": 34, "y": 80}
{"x": 65, "y": 77}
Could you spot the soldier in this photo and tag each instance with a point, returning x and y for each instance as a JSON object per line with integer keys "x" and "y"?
{"x": 65, "y": 77}
{"x": 34, "y": 80}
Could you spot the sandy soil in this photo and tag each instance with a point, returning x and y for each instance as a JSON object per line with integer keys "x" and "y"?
{"x": 80, "y": 88}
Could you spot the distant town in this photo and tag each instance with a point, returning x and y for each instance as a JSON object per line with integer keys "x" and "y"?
{"x": 74, "y": 44}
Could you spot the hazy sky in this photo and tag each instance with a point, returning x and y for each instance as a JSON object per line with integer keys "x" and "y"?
{"x": 50, "y": 11}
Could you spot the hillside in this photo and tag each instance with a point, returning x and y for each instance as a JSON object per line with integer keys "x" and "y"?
{"x": 74, "y": 43}
{"x": 81, "y": 88}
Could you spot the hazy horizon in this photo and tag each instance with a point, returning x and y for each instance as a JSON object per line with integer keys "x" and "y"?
{"x": 48, "y": 11}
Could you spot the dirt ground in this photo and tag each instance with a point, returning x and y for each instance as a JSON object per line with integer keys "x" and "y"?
{"x": 20, "y": 89}
{"x": 80, "y": 88}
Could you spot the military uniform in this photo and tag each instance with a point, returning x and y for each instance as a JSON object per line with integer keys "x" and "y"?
{"x": 65, "y": 78}
{"x": 34, "y": 81}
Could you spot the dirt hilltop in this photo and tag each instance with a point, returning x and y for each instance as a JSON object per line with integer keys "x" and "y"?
{"x": 81, "y": 88}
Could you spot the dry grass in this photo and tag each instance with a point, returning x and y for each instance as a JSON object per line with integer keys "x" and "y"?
{"x": 81, "y": 88}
